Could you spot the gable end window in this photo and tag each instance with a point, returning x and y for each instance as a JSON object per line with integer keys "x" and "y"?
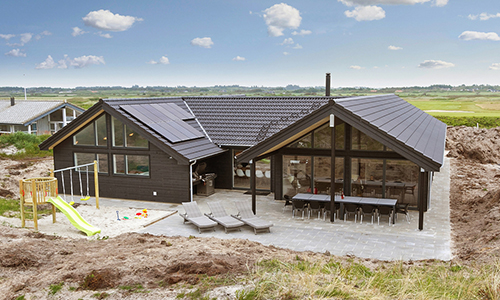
{"x": 94, "y": 134}
{"x": 124, "y": 136}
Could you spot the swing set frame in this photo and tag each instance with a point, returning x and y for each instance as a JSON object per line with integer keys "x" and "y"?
{"x": 78, "y": 169}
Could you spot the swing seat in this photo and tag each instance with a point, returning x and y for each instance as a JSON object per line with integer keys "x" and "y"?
{"x": 85, "y": 199}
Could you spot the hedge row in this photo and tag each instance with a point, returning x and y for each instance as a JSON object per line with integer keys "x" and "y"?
{"x": 484, "y": 122}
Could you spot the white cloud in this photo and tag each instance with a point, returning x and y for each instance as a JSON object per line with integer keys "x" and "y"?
{"x": 288, "y": 41}
{"x": 476, "y": 35}
{"x": 7, "y": 36}
{"x": 366, "y": 13}
{"x": 385, "y": 2}
{"x": 239, "y": 58}
{"x": 484, "y": 16}
{"x": 495, "y": 66}
{"x": 163, "y": 61}
{"x": 43, "y": 33}
{"x": 435, "y": 64}
{"x": 16, "y": 53}
{"x": 286, "y": 53}
{"x": 77, "y": 62}
{"x": 394, "y": 48}
{"x": 77, "y": 31}
{"x": 440, "y": 3}
{"x": 356, "y": 67}
{"x": 47, "y": 64}
{"x": 26, "y": 37}
{"x": 86, "y": 60}
{"x": 297, "y": 46}
{"x": 108, "y": 21}
{"x": 280, "y": 17}
{"x": 302, "y": 32}
{"x": 205, "y": 42}
{"x": 104, "y": 35}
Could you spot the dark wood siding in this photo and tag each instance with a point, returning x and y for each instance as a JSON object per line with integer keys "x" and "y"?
{"x": 222, "y": 166}
{"x": 167, "y": 178}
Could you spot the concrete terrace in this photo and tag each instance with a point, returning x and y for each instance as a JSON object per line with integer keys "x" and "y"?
{"x": 402, "y": 241}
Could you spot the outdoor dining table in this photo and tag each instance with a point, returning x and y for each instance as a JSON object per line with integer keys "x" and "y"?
{"x": 307, "y": 197}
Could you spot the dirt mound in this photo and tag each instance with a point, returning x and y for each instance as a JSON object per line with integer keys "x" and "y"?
{"x": 481, "y": 145}
{"x": 34, "y": 261}
{"x": 475, "y": 212}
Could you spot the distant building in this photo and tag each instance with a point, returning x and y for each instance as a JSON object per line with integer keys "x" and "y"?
{"x": 36, "y": 116}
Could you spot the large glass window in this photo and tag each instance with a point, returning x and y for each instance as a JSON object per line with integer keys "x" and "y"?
{"x": 304, "y": 142}
{"x": 323, "y": 136}
{"x": 401, "y": 181}
{"x": 367, "y": 177}
{"x": 296, "y": 174}
{"x": 94, "y": 134}
{"x": 86, "y": 136}
{"x": 101, "y": 131}
{"x": 124, "y": 136}
{"x": 87, "y": 158}
{"x": 361, "y": 141}
{"x": 242, "y": 174}
{"x": 322, "y": 174}
{"x": 135, "y": 165}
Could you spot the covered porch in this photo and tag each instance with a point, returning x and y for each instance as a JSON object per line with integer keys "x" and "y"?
{"x": 365, "y": 147}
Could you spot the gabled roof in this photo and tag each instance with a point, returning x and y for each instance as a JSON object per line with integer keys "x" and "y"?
{"x": 178, "y": 133}
{"x": 25, "y": 112}
{"x": 244, "y": 121}
{"x": 388, "y": 119}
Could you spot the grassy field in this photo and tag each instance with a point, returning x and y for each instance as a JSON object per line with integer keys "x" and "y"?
{"x": 446, "y": 104}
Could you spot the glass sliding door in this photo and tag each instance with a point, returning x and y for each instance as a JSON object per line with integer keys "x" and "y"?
{"x": 322, "y": 174}
{"x": 296, "y": 174}
{"x": 367, "y": 177}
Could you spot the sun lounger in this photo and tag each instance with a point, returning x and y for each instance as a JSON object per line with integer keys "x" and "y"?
{"x": 219, "y": 215}
{"x": 245, "y": 214}
{"x": 195, "y": 217}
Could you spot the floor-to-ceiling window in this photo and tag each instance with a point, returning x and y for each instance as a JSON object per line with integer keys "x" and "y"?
{"x": 242, "y": 174}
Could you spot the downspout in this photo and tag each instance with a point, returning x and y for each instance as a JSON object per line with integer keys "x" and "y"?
{"x": 191, "y": 180}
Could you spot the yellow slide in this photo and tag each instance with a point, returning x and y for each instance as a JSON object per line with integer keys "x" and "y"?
{"x": 73, "y": 216}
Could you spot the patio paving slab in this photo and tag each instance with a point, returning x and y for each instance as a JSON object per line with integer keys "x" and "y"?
{"x": 403, "y": 241}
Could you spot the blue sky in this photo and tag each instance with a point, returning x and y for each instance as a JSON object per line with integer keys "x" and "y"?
{"x": 373, "y": 43}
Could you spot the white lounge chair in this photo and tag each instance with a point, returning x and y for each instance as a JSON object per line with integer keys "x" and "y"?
{"x": 246, "y": 215}
{"x": 219, "y": 215}
{"x": 194, "y": 216}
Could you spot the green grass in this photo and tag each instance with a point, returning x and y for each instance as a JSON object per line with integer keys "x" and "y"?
{"x": 55, "y": 288}
{"x": 340, "y": 279}
{"x": 11, "y": 208}
{"x": 24, "y": 141}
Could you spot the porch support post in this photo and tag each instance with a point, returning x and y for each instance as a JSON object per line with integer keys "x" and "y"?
{"x": 332, "y": 169}
{"x": 422, "y": 192}
{"x": 253, "y": 186}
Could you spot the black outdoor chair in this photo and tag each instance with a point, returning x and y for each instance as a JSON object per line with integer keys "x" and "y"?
{"x": 385, "y": 211}
{"x": 326, "y": 209}
{"x": 403, "y": 209}
{"x": 351, "y": 208}
{"x": 288, "y": 202}
{"x": 314, "y": 206}
{"x": 298, "y": 205}
{"x": 367, "y": 209}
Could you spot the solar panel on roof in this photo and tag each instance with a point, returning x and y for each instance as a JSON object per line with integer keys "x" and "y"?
{"x": 166, "y": 120}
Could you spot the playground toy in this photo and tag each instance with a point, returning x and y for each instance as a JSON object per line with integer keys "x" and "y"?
{"x": 35, "y": 191}
{"x": 79, "y": 170}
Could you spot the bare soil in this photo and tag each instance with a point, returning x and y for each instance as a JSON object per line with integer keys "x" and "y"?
{"x": 475, "y": 192}
{"x": 126, "y": 265}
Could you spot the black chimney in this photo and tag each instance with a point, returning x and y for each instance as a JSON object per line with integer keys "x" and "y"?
{"x": 12, "y": 101}
{"x": 327, "y": 84}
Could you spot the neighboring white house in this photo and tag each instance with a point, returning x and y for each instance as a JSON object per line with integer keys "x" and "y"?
{"x": 36, "y": 116}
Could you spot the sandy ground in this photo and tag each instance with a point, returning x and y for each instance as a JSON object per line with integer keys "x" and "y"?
{"x": 165, "y": 266}
{"x": 104, "y": 218}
